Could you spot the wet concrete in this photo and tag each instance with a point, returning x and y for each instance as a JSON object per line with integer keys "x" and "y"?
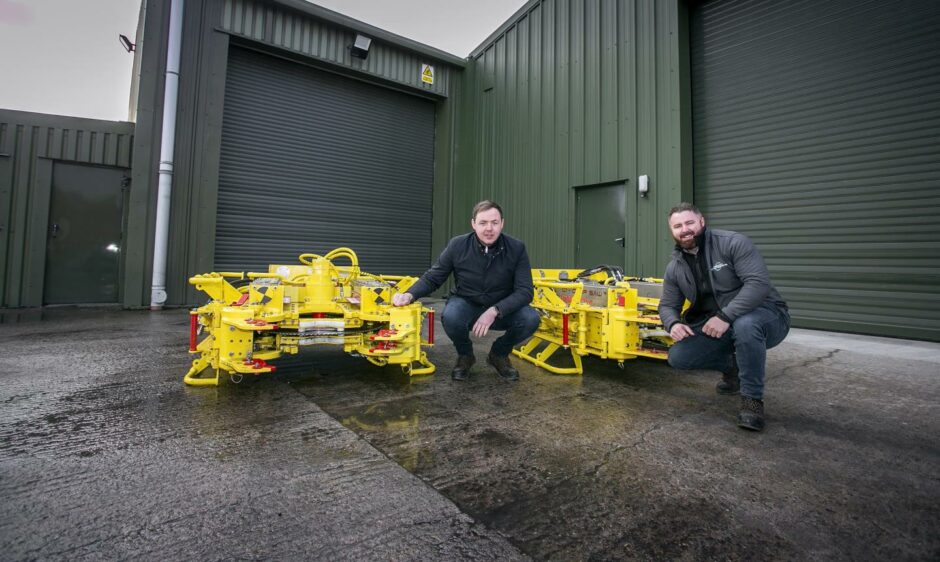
{"x": 104, "y": 453}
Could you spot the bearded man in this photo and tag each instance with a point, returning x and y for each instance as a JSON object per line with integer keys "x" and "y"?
{"x": 735, "y": 316}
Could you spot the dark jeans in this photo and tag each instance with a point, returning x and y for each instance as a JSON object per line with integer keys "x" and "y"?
{"x": 459, "y": 316}
{"x": 748, "y": 338}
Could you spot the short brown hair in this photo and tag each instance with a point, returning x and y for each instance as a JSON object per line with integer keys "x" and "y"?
{"x": 485, "y": 205}
{"x": 683, "y": 207}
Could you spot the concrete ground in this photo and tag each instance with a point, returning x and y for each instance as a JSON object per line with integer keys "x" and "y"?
{"x": 105, "y": 454}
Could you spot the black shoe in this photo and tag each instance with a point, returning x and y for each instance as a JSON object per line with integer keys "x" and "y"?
{"x": 502, "y": 365}
{"x": 752, "y": 414}
{"x": 730, "y": 383}
{"x": 461, "y": 370}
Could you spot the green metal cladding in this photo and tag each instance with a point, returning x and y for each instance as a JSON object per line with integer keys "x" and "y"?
{"x": 290, "y": 29}
{"x": 567, "y": 93}
{"x": 575, "y": 93}
{"x": 29, "y": 145}
{"x": 286, "y": 28}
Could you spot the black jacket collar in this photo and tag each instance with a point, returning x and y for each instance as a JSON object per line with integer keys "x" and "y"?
{"x": 496, "y": 248}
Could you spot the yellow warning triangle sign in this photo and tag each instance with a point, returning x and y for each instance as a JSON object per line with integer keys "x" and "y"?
{"x": 427, "y": 74}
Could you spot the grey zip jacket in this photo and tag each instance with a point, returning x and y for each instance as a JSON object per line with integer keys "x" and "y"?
{"x": 739, "y": 277}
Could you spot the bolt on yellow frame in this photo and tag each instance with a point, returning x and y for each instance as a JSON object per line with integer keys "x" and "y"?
{"x": 253, "y": 318}
{"x": 594, "y": 315}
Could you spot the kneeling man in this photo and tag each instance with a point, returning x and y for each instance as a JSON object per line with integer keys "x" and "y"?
{"x": 492, "y": 290}
{"x": 736, "y": 314}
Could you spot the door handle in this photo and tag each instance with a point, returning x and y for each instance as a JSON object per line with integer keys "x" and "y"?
{"x": 55, "y": 229}
{"x": 621, "y": 241}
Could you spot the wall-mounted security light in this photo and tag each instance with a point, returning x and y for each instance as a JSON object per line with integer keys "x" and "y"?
{"x": 644, "y": 185}
{"x": 126, "y": 43}
{"x": 360, "y": 47}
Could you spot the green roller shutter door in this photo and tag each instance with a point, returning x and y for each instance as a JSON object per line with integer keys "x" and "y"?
{"x": 312, "y": 161}
{"x": 816, "y": 131}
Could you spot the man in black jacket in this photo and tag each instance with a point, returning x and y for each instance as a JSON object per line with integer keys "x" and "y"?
{"x": 735, "y": 315}
{"x": 493, "y": 289}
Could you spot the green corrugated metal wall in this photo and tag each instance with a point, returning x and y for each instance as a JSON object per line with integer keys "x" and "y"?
{"x": 817, "y": 133}
{"x": 29, "y": 143}
{"x": 572, "y": 93}
{"x": 285, "y": 28}
{"x": 291, "y": 29}
{"x": 568, "y": 93}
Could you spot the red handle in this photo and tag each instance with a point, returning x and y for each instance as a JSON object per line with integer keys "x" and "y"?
{"x": 564, "y": 330}
{"x": 193, "y": 326}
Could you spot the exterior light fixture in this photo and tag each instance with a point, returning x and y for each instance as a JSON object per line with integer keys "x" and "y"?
{"x": 360, "y": 47}
{"x": 126, "y": 43}
{"x": 644, "y": 185}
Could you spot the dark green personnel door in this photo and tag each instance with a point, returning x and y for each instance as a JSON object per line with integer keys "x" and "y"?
{"x": 600, "y": 225}
{"x": 84, "y": 240}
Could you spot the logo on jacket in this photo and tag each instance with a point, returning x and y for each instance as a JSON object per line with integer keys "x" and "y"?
{"x": 718, "y": 266}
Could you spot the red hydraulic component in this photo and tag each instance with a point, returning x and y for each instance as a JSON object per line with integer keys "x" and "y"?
{"x": 242, "y": 300}
{"x": 384, "y": 334}
{"x": 621, "y": 301}
{"x": 193, "y": 327}
{"x": 260, "y": 364}
{"x": 383, "y": 346}
{"x": 564, "y": 330}
{"x": 430, "y": 327}
{"x": 261, "y": 323}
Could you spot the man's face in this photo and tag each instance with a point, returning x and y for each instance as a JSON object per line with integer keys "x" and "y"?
{"x": 685, "y": 226}
{"x": 487, "y": 224}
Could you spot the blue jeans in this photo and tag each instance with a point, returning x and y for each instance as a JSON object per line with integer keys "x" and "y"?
{"x": 748, "y": 338}
{"x": 460, "y": 315}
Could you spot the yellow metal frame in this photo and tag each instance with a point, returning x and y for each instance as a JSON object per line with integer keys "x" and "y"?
{"x": 316, "y": 302}
{"x": 596, "y": 315}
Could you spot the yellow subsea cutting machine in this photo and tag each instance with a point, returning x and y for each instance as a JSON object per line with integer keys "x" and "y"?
{"x": 594, "y": 312}
{"x": 253, "y": 318}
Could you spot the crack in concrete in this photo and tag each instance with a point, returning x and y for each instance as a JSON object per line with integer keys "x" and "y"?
{"x": 640, "y": 440}
{"x": 813, "y": 361}
{"x": 606, "y": 460}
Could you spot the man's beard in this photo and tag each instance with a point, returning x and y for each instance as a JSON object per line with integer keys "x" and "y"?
{"x": 688, "y": 244}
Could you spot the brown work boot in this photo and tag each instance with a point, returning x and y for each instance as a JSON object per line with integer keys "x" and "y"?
{"x": 730, "y": 383}
{"x": 752, "y": 414}
{"x": 502, "y": 365}
{"x": 461, "y": 370}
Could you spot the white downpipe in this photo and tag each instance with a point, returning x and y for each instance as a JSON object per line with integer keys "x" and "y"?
{"x": 167, "y": 146}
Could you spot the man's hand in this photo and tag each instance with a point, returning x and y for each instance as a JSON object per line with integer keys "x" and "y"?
{"x": 402, "y": 299}
{"x": 715, "y": 327}
{"x": 680, "y": 331}
{"x": 484, "y": 322}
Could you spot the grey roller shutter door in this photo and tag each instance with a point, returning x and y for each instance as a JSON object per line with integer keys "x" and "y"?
{"x": 816, "y": 131}
{"x": 311, "y": 161}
